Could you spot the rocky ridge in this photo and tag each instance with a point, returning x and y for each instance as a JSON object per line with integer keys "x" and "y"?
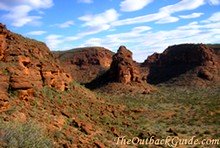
{"x": 85, "y": 64}
{"x": 186, "y": 64}
{"x": 26, "y": 65}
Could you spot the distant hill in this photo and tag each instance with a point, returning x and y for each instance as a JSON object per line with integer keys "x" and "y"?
{"x": 85, "y": 64}
{"x": 185, "y": 64}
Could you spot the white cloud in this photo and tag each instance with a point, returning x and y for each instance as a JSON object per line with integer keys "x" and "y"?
{"x": 98, "y": 22}
{"x": 59, "y": 42}
{"x": 133, "y": 5}
{"x": 142, "y": 41}
{"x": 183, "y": 5}
{"x": 140, "y": 29}
{"x": 40, "y": 32}
{"x": 100, "y": 19}
{"x": 19, "y": 11}
{"x": 168, "y": 19}
{"x": 34, "y": 4}
{"x": 214, "y": 18}
{"x": 85, "y": 1}
{"x": 39, "y": 3}
{"x": 66, "y": 24}
{"x": 94, "y": 30}
{"x": 104, "y": 21}
{"x": 19, "y": 16}
{"x": 139, "y": 19}
{"x": 190, "y": 16}
{"x": 71, "y": 38}
{"x": 164, "y": 13}
{"x": 214, "y": 2}
{"x": 113, "y": 41}
{"x": 53, "y": 41}
{"x": 192, "y": 25}
{"x": 93, "y": 42}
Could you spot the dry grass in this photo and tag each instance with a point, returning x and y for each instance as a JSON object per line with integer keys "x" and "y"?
{"x": 23, "y": 135}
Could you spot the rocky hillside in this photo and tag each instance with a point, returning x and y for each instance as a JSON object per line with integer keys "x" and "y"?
{"x": 38, "y": 104}
{"x": 27, "y": 65}
{"x": 185, "y": 64}
{"x": 85, "y": 64}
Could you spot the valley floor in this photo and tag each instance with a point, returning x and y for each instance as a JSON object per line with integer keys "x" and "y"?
{"x": 81, "y": 118}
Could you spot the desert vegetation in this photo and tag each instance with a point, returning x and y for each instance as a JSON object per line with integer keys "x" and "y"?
{"x": 23, "y": 135}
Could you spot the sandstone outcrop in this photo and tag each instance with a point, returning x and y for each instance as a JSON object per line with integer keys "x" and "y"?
{"x": 85, "y": 64}
{"x": 124, "y": 76}
{"x": 188, "y": 62}
{"x": 27, "y": 64}
{"x": 123, "y": 69}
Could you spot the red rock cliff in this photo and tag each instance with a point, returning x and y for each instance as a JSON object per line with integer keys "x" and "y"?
{"x": 27, "y": 64}
{"x": 193, "y": 62}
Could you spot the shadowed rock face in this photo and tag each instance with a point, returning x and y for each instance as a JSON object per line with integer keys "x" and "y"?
{"x": 26, "y": 64}
{"x": 124, "y": 76}
{"x": 180, "y": 59}
{"x": 123, "y": 69}
{"x": 85, "y": 64}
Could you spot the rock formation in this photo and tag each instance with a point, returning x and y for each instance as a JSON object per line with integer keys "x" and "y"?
{"x": 26, "y": 65}
{"x": 124, "y": 76}
{"x": 190, "y": 61}
{"x": 85, "y": 64}
{"x": 123, "y": 69}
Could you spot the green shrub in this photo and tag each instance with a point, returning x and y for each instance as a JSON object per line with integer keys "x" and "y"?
{"x": 5, "y": 72}
{"x": 49, "y": 93}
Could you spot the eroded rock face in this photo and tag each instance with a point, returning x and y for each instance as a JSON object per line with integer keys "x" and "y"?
{"x": 123, "y": 69}
{"x": 85, "y": 64}
{"x": 191, "y": 61}
{"x": 4, "y": 85}
{"x": 124, "y": 76}
{"x": 3, "y": 35}
{"x": 26, "y": 64}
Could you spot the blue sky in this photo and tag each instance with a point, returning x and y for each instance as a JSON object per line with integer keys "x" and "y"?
{"x": 144, "y": 26}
